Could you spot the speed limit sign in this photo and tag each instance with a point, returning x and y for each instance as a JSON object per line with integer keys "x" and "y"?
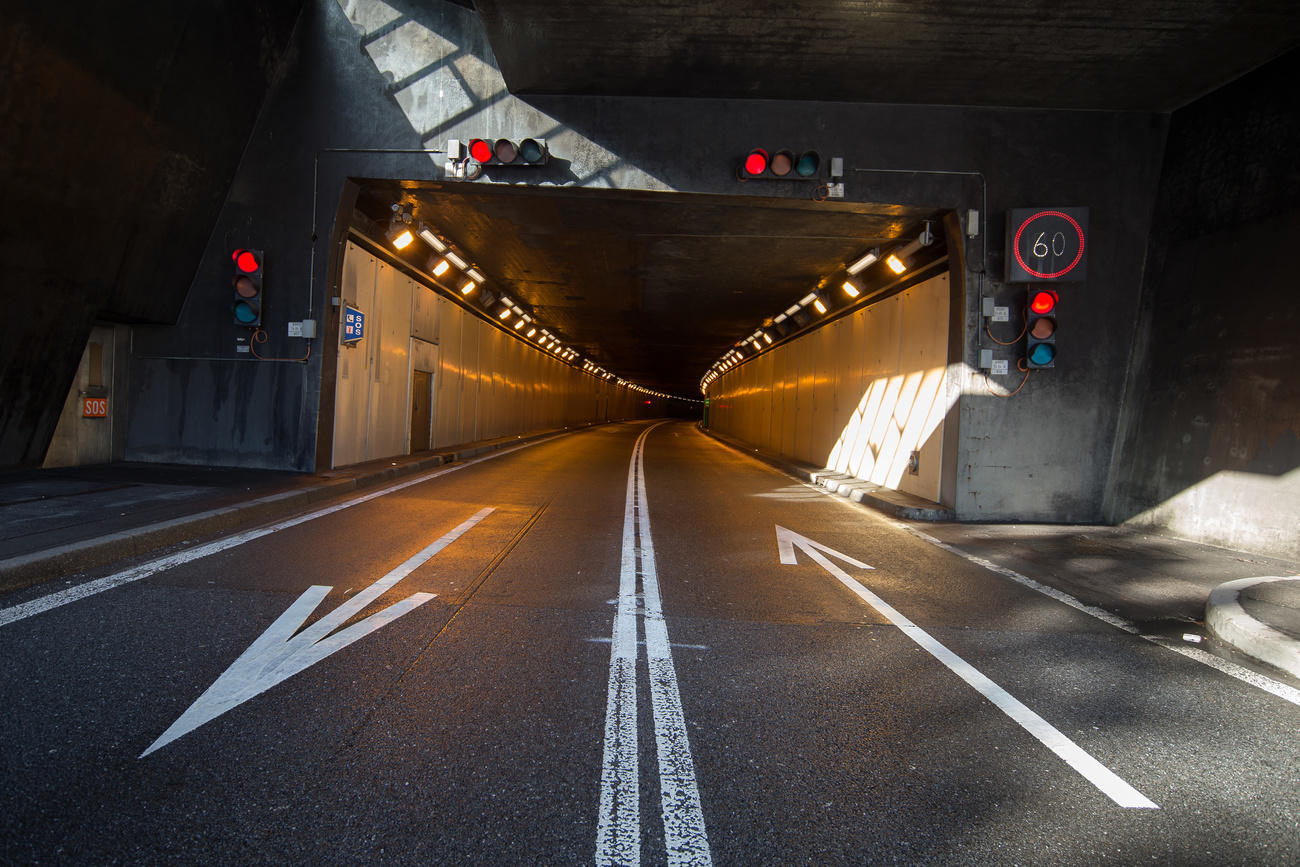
{"x": 1047, "y": 244}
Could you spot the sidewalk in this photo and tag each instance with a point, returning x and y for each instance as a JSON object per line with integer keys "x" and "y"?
{"x": 1247, "y": 602}
{"x": 65, "y": 521}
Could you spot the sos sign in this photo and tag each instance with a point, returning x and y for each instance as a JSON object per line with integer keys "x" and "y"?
{"x": 1047, "y": 244}
{"x": 94, "y": 407}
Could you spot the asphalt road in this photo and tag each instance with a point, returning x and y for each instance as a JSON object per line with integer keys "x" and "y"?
{"x": 615, "y": 664}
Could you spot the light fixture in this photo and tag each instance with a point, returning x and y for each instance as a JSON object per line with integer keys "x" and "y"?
{"x": 441, "y": 268}
{"x": 865, "y": 262}
{"x": 818, "y": 305}
{"x": 851, "y": 289}
{"x": 400, "y": 236}
{"x": 457, "y": 261}
{"x": 780, "y": 317}
{"x": 531, "y": 332}
{"x": 504, "y": 314}
{"x": 767, "y": 337}
{"x": 807, "y": 299}
{"x": 469, "y": 287}
{"x": 431, "y": 239}
{"x": 519, "y": 324}
{"x": 476, "y": 275}
{"x": 791, "y": 310}
{"x": 897, "y": 261}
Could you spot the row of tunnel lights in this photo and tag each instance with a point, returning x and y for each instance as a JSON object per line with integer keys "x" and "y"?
{"x": 445, "y": 258}
{"x": 402, "y": 234}
{"x": 897, "y": 261}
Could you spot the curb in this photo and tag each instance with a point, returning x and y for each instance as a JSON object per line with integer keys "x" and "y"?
{"x": 25, "y": 570}
{"x": 881, "y": 499}
{"x": 1228, "y": 621}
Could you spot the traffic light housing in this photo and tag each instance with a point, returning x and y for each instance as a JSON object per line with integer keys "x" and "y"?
{"x": 1040, "y": 328}
{"x": 246, "y": 287}
{"x": 508, "y": 152}
{"x": 782, "y": 164}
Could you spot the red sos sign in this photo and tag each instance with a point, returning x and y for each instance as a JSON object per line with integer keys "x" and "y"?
{"x": 94, "y": 407}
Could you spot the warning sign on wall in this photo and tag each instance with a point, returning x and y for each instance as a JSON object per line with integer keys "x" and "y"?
{"x": 94, "y": 407}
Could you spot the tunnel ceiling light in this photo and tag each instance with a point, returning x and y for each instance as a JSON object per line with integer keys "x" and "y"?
{"x": 866, "y": 261}
{"x": 818, "y": 305}
{"x": 469, "y": 287}
{"x": 476, "y": 275}
{"x": 792, "y": 310}
{"x": 896, "y": 264}
{"x": 531, "y": 332}
{"x": 507, "y": 300}
{"x": 767, "y": 337}
{"x": 504, "y": 314}
{"x": 457, "y": 261}
{"x": 807, "y": 299}
{"x": 779, "y": 318}
{"x": 851, "y": 289}
{"x": 431, "y": 239}
{"x": 441, "y": 268}
{"x": 520, "y": 324}
{"x": 400, "y": 236}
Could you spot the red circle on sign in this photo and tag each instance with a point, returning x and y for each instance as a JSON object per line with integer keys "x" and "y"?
{"x": 1050, "y": 275}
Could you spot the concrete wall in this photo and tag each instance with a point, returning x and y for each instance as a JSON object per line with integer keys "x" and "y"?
{"x": 858, "y": 395}
{"x": 1210, "y": 445}
{"x": 485, "y": 383}
{"x": 123, "y": 126}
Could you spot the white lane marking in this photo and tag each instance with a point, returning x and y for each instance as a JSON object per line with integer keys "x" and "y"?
{"x": 1094, "y": 771}
{"x": 685, "y": 837}
{"x": 618, "y": 833}
{"x": 90, "y": 588}
{"x": 1245, "y": 675}
{"x": 279, "y": 654}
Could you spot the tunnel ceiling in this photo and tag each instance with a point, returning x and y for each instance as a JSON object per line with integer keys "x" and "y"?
{"x": 1148, "y": 55}
{"x": 652, "y": 286}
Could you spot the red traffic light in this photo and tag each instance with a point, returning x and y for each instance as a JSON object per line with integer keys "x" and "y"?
{"x": 247, "y": 286}
{"x": 1042, "y": 302}
{"x": 784, "y": 163}
{"x": 246, "y": 261}
{"x": 506, "y": 152}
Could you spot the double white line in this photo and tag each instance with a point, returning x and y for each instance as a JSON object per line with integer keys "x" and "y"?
{"x": 618, "y": 835}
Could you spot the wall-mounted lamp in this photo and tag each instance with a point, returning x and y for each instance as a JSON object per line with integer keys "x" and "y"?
{"x": 866, "y": 261}
{"x": 427, "y": 235}
{"x": 851, "y": 289}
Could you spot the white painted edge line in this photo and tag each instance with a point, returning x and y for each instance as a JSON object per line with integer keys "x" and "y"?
{"x": 144, "y": 570}
{"x": 1245, "y": 675}
{"x": 1226, "y": 618}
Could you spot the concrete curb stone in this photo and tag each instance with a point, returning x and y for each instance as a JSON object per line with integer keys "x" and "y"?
{"x": 1228, "y": 621}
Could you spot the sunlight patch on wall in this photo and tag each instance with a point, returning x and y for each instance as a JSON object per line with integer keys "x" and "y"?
{"x": 447, "y": 92}
{"x": 896, "y": 416}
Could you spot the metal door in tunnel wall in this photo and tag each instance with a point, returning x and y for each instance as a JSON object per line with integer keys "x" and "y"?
{"x": 421, "y": 409}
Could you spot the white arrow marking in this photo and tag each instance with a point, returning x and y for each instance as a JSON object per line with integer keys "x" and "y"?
{"x": 1094, "y": 771}
{"x": 279, "y": 654}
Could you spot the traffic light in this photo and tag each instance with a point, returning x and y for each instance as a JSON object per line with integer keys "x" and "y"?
{"x": 781, "y": 165}
{"x": 504, "y": 152}
{"x": 1040, "y": 328}
{"x": 247, "y": 286}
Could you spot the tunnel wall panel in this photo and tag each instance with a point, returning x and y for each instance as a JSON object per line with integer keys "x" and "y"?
{"x": 482, "y": 375}
{"x": 870, "y": 388}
